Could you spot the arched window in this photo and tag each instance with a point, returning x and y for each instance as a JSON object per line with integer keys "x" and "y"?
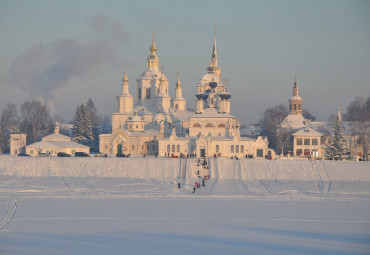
{"x": 237, "y": 149}
{"x": 209, "y": 125}
{"x": 242, "y": 149}
{"x": 295, "y": 107}
{"x": 168, "y": 148}
{"x": 192, "y": 148}
{"x": 173, "y": 148}
{"x": 221, "y": 125}
{"x": 196, "y": 125}
{"x": 217, "y": 148}
{"x": 139, "y": 94}
{"x": 299, "y": 107}
{"x": 290, "y": 106}
{"x": 178, "y": 148}
{"x": 232, "y": 148}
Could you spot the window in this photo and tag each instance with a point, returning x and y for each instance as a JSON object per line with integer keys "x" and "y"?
{"x": 299, "y": 107}
{"x": 209, "y": 125}
{"x": 306, "y": 141}
{"x": 242, "y": 149}
{"x": 315, "y": 142}
{"x": 221, "y": 125}
{"x": 217, "y": 148}
{"x": 232, "y": 148}
{"x": 106, "y": 146}
{"x": 299, "y": 152}
{"x": 168, "y": 148}
{"x": 31, "y": 151}
{"x": 139, "y": 94}
{"x": 307, "y": 152}
{"x": 196, "y": 125}
{"x": 130, "y": 126}
{"x": 219, "y": 134}
{"x": 237, "y": 149}
{"x": 295, "y": 107}
{"x": 290, "y": 106}
{"x": 137, "y": 126}
{"x": 133, "y": 147}
{"x": 148, "y": 93}
{"x": 192, "y": 148}
{"x": 299, "y": 141}
{"x": 209, "y": 134}
{"x": 178, "y": 148}
{"x": 176, "y": 106}
{"x": 173, "y": 148}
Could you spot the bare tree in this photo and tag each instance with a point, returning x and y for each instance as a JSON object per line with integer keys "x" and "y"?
{"x": 36, "y": 120}
{"x": 270, "y": 126}
{"x": 9, "y": 123}
{"x": 358, "y": 113}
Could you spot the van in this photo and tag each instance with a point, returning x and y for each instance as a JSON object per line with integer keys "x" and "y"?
{"x": 81, "y": 154}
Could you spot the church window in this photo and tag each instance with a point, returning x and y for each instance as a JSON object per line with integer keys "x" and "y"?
{"x": 137, "y": 126}
{"x": 295, "y": 107}
{"x": 147, "y": 93}
{"x": 139, "y": 94}
{"x": 242, "y": 149}
{"x": 299, "y": 141}
{"x": 173, "y": 148}
{"x": 178, "y": 148}
{"x": 192, "y": 148}
{"x": 196, "y": 125}
{"x": 237, "y": 149}
{"x": 130, "y": 126}
{"x": 315, "y": 141}
{"x": 217, "y": 148}
{"x": 176, "y": 106}
{"x": 221, "y": 125}
{"x": 307, "y": 141}
{"x": 290, "y": 106}
{"x": 232, "y": 148}
{"x": 209, "y": 125}
{"x": 142, "y": 147}
{"x": 168, "y": 148}
{"x": 299, "y": 107}
{"x": 148, "y": 146}
{"x": 133, "y": 147}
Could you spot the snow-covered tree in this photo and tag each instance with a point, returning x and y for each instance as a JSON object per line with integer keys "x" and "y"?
{"x": 82, "y": 126}
{"x": 94, "y": 123}
{"x": 337, "y": 145}
{"x": 358, "y": 114}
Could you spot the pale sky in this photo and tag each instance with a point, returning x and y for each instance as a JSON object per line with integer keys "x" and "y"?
{"x": 68, "y": 51}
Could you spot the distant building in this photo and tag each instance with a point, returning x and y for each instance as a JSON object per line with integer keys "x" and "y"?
{"x": 17, "y": 143}
{"x": 54, "y": 143}
{"x": 160, "y": 125}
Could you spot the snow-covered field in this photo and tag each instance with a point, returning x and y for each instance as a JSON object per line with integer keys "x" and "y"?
{"x": 133, "y": 206}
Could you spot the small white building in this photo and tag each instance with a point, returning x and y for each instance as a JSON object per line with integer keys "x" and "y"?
{"x": 17, "y": 143}
{"x": 54, "y": 143}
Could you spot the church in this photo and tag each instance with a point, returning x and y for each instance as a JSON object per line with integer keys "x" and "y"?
{"x": 155, "y": 124}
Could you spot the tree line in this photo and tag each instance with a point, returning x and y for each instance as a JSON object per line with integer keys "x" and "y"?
{"x": 36, "y": 121}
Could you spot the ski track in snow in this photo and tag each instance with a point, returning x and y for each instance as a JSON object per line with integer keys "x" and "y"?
{"x": 9, "y": 213}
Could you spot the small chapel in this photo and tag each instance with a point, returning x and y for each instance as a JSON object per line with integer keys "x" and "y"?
{"x": 153, "y": 123}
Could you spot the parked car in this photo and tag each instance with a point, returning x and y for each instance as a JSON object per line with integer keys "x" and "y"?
{"x": 120, "y": 155}
{"x": 81, "y": 154}
{"x": 22, "y": 154}
{"x": 63, "y": 154}
{"x": 100, "y": 154}
{"x": 42, "y": 154}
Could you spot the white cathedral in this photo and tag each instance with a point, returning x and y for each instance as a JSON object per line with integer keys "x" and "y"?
{"x": 159, "y": 125}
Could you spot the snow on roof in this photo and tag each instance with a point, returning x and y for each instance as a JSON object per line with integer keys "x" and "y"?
{"x": 152, "y": 74}
{"x": 212, "y": 113}
{"x": 181, "y": 115}
{"x": 307, "y": 131}
{"x": 294, "y": 121}
{"x": 56, "y": 144}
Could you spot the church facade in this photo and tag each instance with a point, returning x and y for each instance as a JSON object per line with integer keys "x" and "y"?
{"x": 160, "y": 125}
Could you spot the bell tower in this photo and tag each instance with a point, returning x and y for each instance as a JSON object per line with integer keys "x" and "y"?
{"x": 295, "y": 102}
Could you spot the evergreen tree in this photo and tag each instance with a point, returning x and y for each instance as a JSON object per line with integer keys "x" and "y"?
{"x": 82, "y": 126}
{"x": 337, "y": 147}
{"x": 94, "y": 123}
